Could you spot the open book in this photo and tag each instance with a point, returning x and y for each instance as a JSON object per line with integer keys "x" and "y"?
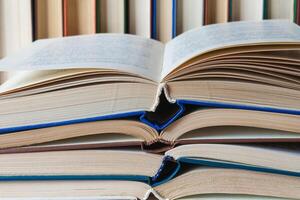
{"x": 184, "y": 171}
{"x": 247, "y": 70}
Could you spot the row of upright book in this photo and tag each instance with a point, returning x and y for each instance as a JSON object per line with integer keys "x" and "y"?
{"x": 150, "y": 18}
{"x": 157, "y": 19}
{"x": 212, "y": 114}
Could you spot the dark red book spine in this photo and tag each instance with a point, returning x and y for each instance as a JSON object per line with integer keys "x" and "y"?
{"x": 65, "y": 17}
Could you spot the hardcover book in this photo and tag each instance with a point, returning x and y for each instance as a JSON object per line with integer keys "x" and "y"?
{"x": 182, "y": 172}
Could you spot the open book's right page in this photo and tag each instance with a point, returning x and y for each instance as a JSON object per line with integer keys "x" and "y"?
{"x": 218, "y": 36}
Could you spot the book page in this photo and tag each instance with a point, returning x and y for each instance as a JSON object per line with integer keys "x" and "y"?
{"x": 229, "y": 197}
{"x": 217, "y": 36}
{"x": 126, "y": 53}
{"x": 73, "y": 198}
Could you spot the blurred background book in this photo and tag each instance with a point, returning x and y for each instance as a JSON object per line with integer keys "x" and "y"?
{"x": 22, "y": 22}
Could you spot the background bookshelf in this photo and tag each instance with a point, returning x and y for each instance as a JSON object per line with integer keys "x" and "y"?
{"x": 22, "y": 22}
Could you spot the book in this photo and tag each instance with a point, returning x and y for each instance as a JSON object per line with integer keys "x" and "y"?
{"x": 16, "y": 29}
{"x": 112, "y": 16}
{"x": 163, "y": 21}
{"x": 228, "y": 181}
{"x": 48, "y": 19}
{"x": 277, "y": 9}
{"x": 79, "y": 80}
{"x": 202, "y": 126}
{"x": 246, "y": 10}
{"x": 297, "y": 12}
{"x": 104, "y": 190}
{"x": 230, "y": 196}
{"x": 79, "y": 17}
{"x": 216, "y": 11}
{"x": 189, "y": 15}
{"x": 183, "y": 171}
{"x": 140, "y": 17}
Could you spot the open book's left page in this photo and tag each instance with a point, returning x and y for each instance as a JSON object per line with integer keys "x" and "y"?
{"x": 125, "y": 53}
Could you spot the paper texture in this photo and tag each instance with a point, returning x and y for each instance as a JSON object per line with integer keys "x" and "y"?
{"x": 126, "y": 53}
{"x": 201, "y": 40}
{"x": 74, "y": 198}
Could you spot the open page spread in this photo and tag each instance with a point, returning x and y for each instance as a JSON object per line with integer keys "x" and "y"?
{"x": 217, "y": 36}
{"x": 126, "y": 53}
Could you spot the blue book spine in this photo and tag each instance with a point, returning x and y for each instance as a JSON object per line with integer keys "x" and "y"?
{"x": 160, "y": 127}
{"x": 139, "y": 178}
{"x": 154, "y": 19}
{"x": 212, "y": 104}
{"x": 154, "y": 34}
{"x": 215, "y": 104}
{"x": 68, "y": 122}
{"x": 174, "y": 18}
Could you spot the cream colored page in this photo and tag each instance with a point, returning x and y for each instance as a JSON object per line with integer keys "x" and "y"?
{"x": 211, "y": 37}
{"x": 126, "y": 53}
{"x": 25, "y": 78}
{"x": 229, "y": 197}
{"x": 74, "y": 198}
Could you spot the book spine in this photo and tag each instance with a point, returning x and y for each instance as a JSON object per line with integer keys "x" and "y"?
{"x": 210, "y": 9}
{"x": 230, "y": 10}
{"x": 171, "y": 118}
{"x": 72, "y": 121}
{"x": 168, "y": 169}
{"x": 126, "y": 16}
{"x": 265, "y": 9}
{"x": 174, "y": 18}
{"x": 297, "y": 12}
{"x": 94, "y": 16}
{"x": 65, "y": 20}
{"x": 34, "y": 19}
{"x": 138, "y": 178}
{"x": 233, "y": 165}
{"x": 153, "y": 19}
{"x": 98, "y": 17}
{"x": 215, "y": 104}
{"x": 205, "y": 13}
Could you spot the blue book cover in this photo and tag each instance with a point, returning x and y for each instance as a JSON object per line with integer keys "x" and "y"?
{"x": 142, "y": 115}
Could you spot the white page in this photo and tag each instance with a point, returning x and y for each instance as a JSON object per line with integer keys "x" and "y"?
{"x": 211, "y": 37}
{"x": 126, "y": 53}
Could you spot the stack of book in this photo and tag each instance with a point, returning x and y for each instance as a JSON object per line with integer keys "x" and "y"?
{"x": 22, "y": 22}
{"x": 213, "y": 114}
